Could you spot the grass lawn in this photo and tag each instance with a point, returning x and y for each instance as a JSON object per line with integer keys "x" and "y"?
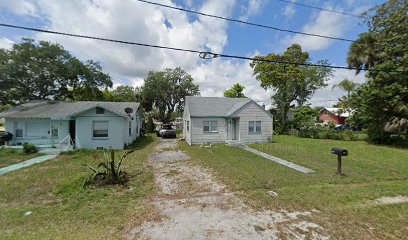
{"x": 61, "y": 208}
{"x": 12, "y": 156}
{"x": 371, "y": 172}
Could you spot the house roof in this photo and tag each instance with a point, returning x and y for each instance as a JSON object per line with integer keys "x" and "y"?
{"x": 215, "y": 106}
{"x": 63, "y": 110}
{"x": 336, "y": 111}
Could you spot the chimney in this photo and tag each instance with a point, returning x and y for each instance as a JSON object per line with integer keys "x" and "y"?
{"x": 263, "y": 105}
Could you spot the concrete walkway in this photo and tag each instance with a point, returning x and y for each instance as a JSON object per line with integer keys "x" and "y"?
{"x": 279, "y": 160}
{"x": 26, "y": 163}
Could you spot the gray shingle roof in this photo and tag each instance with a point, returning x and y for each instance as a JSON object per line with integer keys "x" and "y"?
{"x": 214, "y": 106}
{"x": 63, "y": 110}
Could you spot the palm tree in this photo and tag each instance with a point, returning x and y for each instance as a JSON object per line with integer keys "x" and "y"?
{"x": 347, "y": 85}
{"x": 364, "y": 52}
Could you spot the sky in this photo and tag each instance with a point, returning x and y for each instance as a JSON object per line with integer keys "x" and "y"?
{"x": 131, "y": 20}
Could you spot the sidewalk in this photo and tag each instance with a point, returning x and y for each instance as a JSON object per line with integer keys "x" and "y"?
{"x": 26, "y": 163}
{"x": 278, "y": 160}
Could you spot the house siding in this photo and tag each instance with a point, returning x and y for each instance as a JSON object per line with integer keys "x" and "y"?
{"x": 186, "y": 117}
{"x": 198, "y": 136}
{"x": 118, "y": 134}
{"x": 253, "y": 112}
{"x": 44, "y": 130}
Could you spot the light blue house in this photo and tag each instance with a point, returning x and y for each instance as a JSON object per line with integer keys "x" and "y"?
{"x": 86, "y": 125}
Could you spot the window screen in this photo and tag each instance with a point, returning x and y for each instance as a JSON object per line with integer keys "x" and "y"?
{"x": 100, "y": 129}
{"x": 210, "y": 126}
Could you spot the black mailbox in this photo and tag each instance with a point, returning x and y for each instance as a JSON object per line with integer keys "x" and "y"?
{"x": 339, "y": 151}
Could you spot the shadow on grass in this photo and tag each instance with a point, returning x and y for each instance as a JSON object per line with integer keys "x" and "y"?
{"x": 142, "y": 142}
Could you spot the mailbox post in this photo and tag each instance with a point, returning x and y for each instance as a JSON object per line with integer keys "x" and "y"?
{"x": 339, "y": 152}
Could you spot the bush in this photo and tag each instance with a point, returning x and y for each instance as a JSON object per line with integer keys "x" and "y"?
{"x": 108, "y": 172}
{"x": 29, "y": 148}
{"x": 150, "y": 124}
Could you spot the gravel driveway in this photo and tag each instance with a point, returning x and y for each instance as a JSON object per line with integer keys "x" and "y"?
{"x": 194, "y": 206}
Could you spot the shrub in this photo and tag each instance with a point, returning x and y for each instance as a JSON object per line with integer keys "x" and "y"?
{"x": 29, "y": 148}
{"x": 107, "y": 171}
{"x": 150, "y": 124}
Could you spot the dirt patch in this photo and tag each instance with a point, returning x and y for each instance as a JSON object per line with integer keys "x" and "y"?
{"x": 389, "y": 200}
{"x": 195, "y": 206}
{"x": 168, "y": 156}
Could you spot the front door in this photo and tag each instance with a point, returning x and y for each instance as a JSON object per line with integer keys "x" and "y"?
{"x": 72, "y": 130}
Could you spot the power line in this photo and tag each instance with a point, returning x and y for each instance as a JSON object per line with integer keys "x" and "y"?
{"x": 321, "y": 9}
{"x": 201, "y": 53}
{"x": 248, "y": 23}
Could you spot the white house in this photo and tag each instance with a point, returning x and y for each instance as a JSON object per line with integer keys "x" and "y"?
{"x": 90, "y": 125}
{"x": 225, "y": 120}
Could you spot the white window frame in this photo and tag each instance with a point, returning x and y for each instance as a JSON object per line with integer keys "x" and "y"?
{"x": 93, "y": 130}
{"x": 211, "y": 128}
{"x": 255, "y": 125}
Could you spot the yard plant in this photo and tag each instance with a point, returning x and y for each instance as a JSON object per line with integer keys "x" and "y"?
{"x": 107, "y": 171}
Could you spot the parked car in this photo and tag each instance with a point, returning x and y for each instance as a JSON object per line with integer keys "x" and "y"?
{"x": 342, "y": 127}
{"x": 167, "y": 131}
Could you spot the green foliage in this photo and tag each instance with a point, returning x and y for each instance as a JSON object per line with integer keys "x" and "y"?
{"x": 347, "y": 85}
{"x": 166, "y": 91}
{"x": 150, "y": 124}
{"x": 107, "y": 171}
{"x": 319, "y": 132}
{"x": 290, "y": 82}
{"x": 46, "y": 71}
{"x": 5, "y": 107}
{"x": 122, "y": 93}
{"x": 382, "y": 103}
{"x": 29, "y": 148}
{"x": 236, "y": 91}
{"x": 305, "y": 115}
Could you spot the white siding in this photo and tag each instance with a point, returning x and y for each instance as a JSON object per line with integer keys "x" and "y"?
{"x": 117, "y": 130}
{"x": 186, "y": 117}
{"x": 37, "y": 131}
{"x": 198, "y": 136}
{"x": 253, "y": 112}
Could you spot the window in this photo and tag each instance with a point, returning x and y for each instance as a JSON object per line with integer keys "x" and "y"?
{"x": 188, "y": 126}
{"x": 54, "y": 132}
{"x": 130, "y": 128}
{"x": 100, "y": 110}
{"x": 54, "y": 128}
{"x": 210, "y": 126}
{"x": 100, "y": 129}
{"x": 19, "y": 132}
{"x": 38, "y": 129}
{"x": 254, "y": 127}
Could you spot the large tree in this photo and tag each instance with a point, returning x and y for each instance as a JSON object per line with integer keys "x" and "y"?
{"x": 290, "y": 82}
{"x": 236, "y": 91}
{"x": 382, "y": 102}
{"x": 44, "y": 70}
{"x": 166, "y": 91}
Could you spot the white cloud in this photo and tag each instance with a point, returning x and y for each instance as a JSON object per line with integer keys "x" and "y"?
{"x": 6, "y": 43}
{"x": 289, "y": 11}
{"x": 20, "y": 7}
{"x": 324, "y": 23}
{"x": 328, "y": 96}
{"x": 219, "y": 75}
{"x": 137, "y": 22}
{"x": 253, "y": 8}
